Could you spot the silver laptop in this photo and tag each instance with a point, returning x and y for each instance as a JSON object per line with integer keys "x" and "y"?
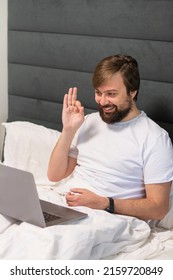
{"x": 19, "y": 199}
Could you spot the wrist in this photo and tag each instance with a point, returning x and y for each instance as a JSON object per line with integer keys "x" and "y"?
{"x": 68, "y": 134}
{"x": 105, "y": 203}
{"x": 68, "y": 130}
{"x": 110, "y": 207}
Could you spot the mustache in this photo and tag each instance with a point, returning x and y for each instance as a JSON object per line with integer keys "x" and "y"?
{"x": 106, "y": 106}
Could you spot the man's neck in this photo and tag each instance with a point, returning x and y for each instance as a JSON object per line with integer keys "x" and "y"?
{"x": 133, "y": 114}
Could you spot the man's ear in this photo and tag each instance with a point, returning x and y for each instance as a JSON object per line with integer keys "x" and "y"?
{"x": 133, "y": 93}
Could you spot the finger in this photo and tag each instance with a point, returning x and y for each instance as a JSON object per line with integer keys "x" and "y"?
{"x": 74, "y": 96}
{"x": 79, "y": 107}
{"x": 72, "y": 204}
{"x": 78, "y": 103}
{"x": 71, "y": 199}
{"x": 69, "y": 100}
{"x": 65, "y": 103}
{"x": 76, "y": 190}
{"x": 81, "y": 110}
{"x": 69, "y": 196}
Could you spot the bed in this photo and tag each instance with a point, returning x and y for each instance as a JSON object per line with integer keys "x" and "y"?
{"x": 99, "y": 236}
{"x": 53, "y": 45}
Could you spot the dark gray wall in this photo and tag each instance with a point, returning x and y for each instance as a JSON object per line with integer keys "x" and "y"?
{"x": 55, "y": 44}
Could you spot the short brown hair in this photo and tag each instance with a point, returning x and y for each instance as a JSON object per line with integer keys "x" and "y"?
{"x": 108, "y": 66}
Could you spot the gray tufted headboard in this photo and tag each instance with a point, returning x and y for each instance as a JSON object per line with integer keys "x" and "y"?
{"x": 55, "y": 44}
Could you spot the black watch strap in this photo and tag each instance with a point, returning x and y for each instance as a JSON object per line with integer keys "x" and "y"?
{"x": 110, "y": 209}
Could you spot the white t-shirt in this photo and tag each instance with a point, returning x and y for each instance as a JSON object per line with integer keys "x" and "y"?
{"x": 119, "y": 159}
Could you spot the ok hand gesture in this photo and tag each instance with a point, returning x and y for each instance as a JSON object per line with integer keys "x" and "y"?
{"x": 73, "y": 111}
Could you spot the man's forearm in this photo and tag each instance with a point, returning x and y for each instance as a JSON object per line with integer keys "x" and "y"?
{"x": 143, "y": 208}
{"x": 58, "y": 163}
{"x": 153, "y": 207}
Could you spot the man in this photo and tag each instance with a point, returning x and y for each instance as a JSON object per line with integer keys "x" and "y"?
{"x": 125, "y": 156}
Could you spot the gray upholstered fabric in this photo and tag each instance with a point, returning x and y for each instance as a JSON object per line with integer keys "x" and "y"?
{"x": 81, "y": 53}
{"x": 138, "y": 19}
{"x": 55, "y": 44}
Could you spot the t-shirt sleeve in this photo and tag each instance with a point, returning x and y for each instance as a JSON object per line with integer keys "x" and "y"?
{"x": 158, "y": 161}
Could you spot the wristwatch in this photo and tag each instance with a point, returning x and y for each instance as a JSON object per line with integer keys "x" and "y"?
{"x": 110, "y": 208}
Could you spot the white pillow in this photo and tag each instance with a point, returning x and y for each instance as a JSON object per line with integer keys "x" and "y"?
{"x": 28, "y": 147}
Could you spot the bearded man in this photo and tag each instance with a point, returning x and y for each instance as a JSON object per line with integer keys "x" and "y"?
{"x": 123, "y": 159}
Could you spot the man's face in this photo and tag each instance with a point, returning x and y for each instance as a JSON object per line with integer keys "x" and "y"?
{"x": 114, "y": 103}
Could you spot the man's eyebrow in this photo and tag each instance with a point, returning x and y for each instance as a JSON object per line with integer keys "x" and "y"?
{"x": 111, "y": 90}
{"x": 107, "y": 91}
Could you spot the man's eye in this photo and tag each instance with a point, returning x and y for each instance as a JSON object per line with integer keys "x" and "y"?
{"x": 111, "y": 94}
{"x": 98, "y": 93}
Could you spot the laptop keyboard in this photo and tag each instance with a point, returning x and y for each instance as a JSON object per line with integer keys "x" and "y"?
{"x": 50, "y": 217}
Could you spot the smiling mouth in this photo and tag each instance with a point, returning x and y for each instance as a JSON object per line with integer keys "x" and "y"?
{"x": 108, "y": 109}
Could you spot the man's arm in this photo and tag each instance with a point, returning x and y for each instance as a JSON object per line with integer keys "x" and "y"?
{"x": 60, "y": 164}
{"x": 153, "y": 207}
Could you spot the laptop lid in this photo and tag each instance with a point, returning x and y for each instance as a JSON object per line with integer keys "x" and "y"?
{"x": 19, "y": 199}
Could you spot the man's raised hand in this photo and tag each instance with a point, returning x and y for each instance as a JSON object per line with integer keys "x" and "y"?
{"x": 73, "y": 111}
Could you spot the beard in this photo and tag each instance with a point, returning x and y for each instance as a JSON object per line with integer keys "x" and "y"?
{"x": 118, "y": 114}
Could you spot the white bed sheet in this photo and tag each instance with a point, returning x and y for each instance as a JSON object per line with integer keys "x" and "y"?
{"x": 99, "y": 236}
{"x": 158, "y": 246}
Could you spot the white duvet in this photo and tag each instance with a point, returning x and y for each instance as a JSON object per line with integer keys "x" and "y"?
{"x": 100, "y": 235}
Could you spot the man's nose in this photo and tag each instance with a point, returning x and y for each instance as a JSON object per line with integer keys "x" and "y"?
{"x": 103, "y": 100}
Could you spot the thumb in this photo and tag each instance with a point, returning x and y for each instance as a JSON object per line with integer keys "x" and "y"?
{"x": 76, "y": 190}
